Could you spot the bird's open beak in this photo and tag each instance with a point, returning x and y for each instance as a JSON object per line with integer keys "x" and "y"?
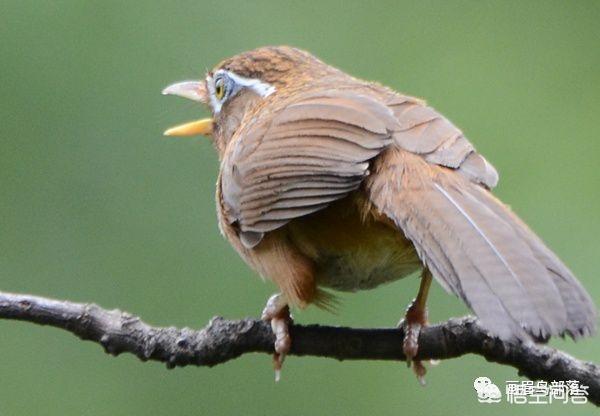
{"x": 196, "y": 91}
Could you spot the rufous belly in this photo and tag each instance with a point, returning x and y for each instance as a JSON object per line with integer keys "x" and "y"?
{"x": 352, "y": 249}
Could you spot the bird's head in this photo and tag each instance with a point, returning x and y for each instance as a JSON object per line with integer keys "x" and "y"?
{"x": 244, "y": 85}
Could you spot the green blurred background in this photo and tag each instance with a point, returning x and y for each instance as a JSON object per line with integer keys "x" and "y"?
{"x": 97, "y": 206}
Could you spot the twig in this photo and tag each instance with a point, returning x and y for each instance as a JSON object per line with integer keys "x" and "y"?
{"x": 222, "y": 340}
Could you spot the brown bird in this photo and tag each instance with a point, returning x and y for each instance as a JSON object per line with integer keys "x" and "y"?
{"x": 328, "y": 181}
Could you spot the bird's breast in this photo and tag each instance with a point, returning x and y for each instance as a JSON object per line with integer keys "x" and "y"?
{"x": 351, "y": 249}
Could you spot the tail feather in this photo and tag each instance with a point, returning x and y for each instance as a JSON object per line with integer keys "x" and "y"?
{"x": 444, "y": 254}
{"x": 581, "y": 312}
{"x": 480, "y": 251}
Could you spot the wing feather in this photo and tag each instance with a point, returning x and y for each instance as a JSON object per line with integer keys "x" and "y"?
{"x": 304, "y": 155}
{"x": 426, "y": 132}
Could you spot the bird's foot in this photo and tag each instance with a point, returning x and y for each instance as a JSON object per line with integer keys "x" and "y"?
{"x": 414, "y": 320}
{"x": 277, "y": 312}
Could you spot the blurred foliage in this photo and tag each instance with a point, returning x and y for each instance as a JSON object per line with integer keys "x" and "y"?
{"x": 97, "y": 206}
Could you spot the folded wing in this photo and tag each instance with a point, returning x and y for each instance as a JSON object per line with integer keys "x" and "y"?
{"x": 301, "y": 157}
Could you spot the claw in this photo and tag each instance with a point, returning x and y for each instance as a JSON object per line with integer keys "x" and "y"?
{"x": 414, "y": 321}
{"x": 278, "y": 313}
{"x": 420, "y": 371}
{"x": 410, "y": 346}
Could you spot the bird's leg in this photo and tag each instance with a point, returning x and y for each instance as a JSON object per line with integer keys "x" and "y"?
{"x": 277, "y": 312}
{"x": 414, "y": 320}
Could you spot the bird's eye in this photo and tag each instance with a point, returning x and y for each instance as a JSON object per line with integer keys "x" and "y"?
{"x": 219, "y": 89}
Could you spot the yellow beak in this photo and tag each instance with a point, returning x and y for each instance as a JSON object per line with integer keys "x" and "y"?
{"x": 204, "y": 127}
{"x": 196, "y": 91}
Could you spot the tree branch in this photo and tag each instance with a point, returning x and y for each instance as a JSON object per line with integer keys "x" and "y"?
{"x": 222, "y": 340}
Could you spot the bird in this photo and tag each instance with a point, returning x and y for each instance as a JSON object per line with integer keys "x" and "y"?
{"x": 331, "y": 183}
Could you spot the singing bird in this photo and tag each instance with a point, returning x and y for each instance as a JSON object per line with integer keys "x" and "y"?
{"x": 329, "y": 181}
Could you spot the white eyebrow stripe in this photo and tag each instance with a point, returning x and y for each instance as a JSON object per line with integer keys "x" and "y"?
{"x": 263, "y": 89}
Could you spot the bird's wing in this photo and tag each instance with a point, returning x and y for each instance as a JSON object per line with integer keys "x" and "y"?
{"x": 426, "y": 132}
{"x": 301, "y": 157}
{"x": 474, "y": 245}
